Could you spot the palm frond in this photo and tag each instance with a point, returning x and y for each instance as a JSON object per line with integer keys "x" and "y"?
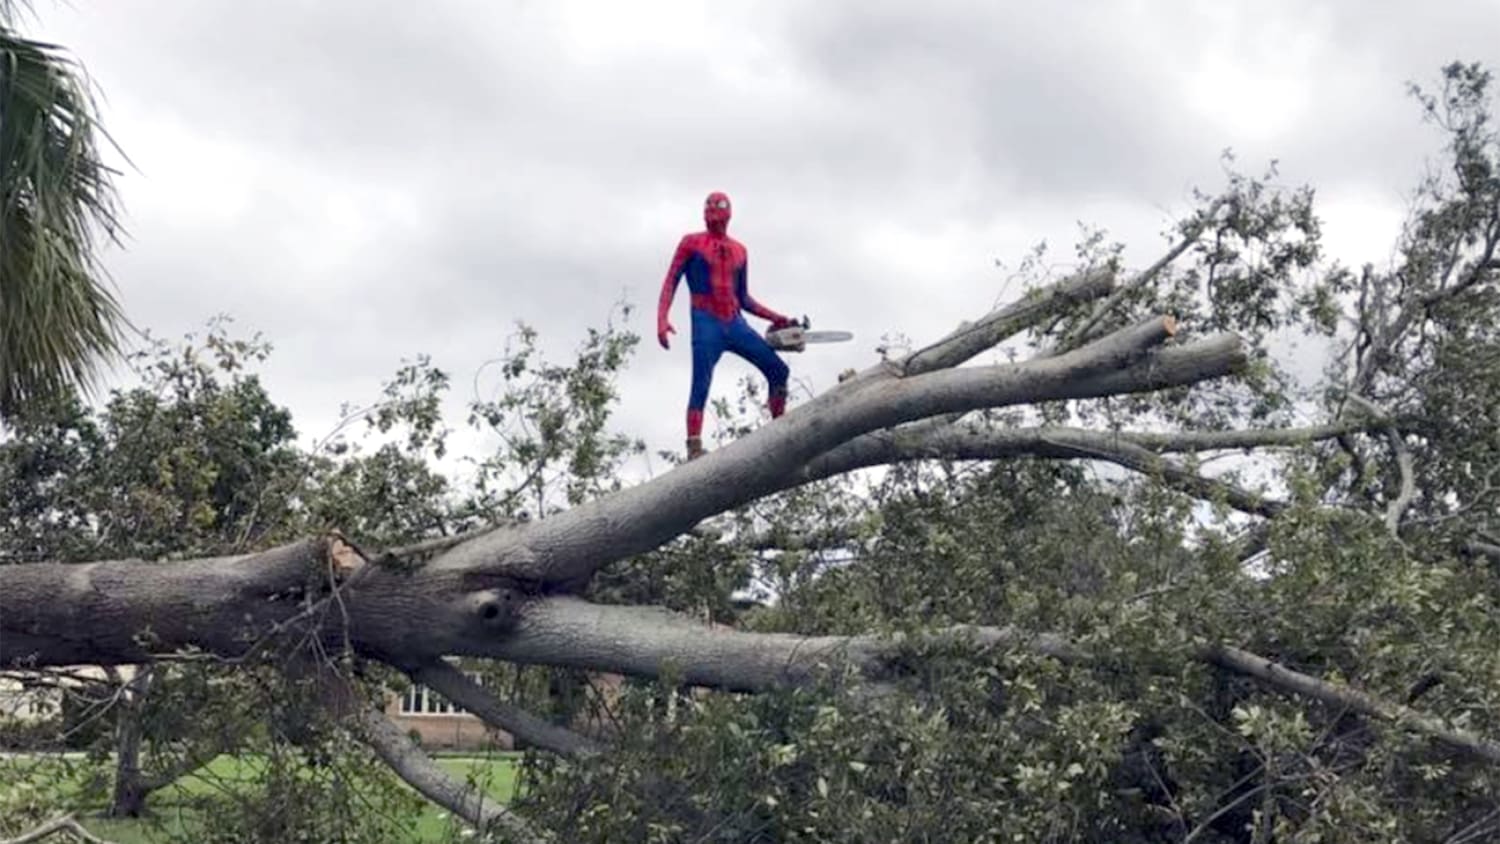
{"x": 10, "y": 10}
{"x": 58, "y": 319}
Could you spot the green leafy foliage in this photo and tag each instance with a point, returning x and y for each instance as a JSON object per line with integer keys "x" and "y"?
{"x": 1142, "y": 741}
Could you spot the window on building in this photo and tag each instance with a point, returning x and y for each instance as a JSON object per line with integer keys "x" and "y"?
{"x": 411, "y": 702}
{"x": 420, "y": 700}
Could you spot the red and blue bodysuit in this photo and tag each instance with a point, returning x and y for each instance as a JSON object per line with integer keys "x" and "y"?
{"x": 717, "y": 276}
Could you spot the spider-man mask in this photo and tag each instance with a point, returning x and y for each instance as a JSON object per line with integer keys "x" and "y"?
{"x": 716, "y": 212}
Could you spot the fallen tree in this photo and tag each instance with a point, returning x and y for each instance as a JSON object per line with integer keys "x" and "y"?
{"x": 505, "y": 593}
{"x": 516, "y": 591}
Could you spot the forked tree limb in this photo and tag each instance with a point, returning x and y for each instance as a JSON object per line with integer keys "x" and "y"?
{"x": 472, "y": 599}
{"x": 1416, "y": 305}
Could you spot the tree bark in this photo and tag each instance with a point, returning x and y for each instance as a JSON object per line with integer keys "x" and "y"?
{"x": 128, "y": 797}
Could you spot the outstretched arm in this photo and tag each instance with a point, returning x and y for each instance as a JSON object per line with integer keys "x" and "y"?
{"x": 668, "y": 290}
{"x": 742, "y": 289}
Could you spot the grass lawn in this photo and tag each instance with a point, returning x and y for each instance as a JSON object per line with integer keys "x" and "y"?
{"x": 496, "y": 773}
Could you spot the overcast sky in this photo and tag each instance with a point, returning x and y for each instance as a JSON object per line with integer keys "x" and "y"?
{"x": 366, "y": 181}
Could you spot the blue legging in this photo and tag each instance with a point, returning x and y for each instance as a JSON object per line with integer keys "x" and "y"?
{"x": 712, "y": 337}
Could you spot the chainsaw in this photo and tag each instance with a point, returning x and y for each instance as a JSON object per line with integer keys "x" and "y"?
{"x": 795, "y": 337}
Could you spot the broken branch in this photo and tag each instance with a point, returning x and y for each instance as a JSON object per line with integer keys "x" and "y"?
{"x": 1278, "y": 676}
{"x": 420, "y": 772}
{"x": 1085, "y": 329}
{"x": 458, "y": 688}
{"x": 970, "y": 340}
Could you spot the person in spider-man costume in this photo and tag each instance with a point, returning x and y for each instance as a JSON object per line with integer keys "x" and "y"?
{"x": 716, "y": 268}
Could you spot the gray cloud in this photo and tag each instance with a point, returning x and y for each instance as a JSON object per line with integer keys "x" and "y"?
{"x": 364, "y": 181}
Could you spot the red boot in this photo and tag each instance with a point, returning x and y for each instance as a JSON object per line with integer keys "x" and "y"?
{"x": 777, "y": 403}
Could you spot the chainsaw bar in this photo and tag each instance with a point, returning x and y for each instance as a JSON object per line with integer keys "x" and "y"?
{"x": 826, "y": 336}
{"x": 795, "y": 338}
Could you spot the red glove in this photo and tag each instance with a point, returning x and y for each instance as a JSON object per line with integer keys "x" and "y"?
{"x": 781, "y": 322}
{"x": 663, "y": 328}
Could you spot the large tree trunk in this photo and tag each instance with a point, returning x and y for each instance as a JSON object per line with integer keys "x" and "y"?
{"x": 469, "y": 600}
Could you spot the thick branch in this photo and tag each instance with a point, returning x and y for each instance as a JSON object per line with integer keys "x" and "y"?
{"x": 419, "y": 771}
{"x": 1058, "y": 443}
{"x": 118, "y": 612}
{"x": 923, "y": 440}
{"x": 973, "y": 339}
{"x": 1486, "y": 549}
{"x": 128, "y": 612}
{"x": 460, "y": 602}
{"x": 1407, "y": 470}
{"x": 1179, "y": 442}
{"x": 649, "y": 642}
{"x": 1287, "y": 680}
{"x": 456, "y": 687}
{"x": 572, "y": 545}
